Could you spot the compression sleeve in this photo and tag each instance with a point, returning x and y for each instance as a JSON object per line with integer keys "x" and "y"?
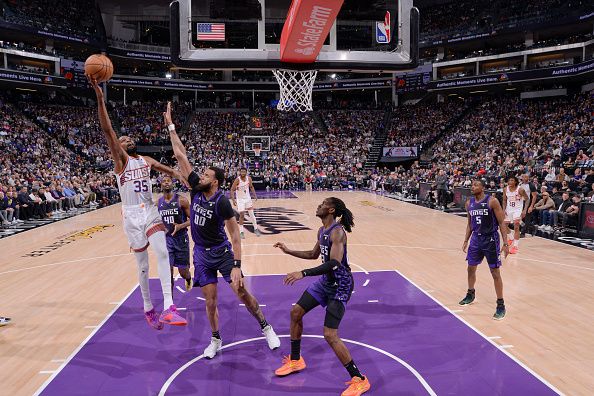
{"x": 325, "y": 268}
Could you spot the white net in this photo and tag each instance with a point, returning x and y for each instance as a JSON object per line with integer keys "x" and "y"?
{"x": 295, "y": 89}
{"x": 257, "y": 147}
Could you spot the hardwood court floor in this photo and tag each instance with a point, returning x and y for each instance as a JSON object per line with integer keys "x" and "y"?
{"x": 60, "y": 281}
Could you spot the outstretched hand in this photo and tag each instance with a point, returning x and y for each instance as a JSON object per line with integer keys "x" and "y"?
{"x": 281, "y": 246}
{"x": 167, "y": 115}
{"x": 293, "y": 277}
{"x": 95, "y": 85}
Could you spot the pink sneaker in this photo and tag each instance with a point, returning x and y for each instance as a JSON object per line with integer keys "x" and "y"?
{"x": 172, "y": 317}
{"x": 153, "y": 319}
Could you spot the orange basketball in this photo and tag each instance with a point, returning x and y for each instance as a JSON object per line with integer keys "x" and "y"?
{"x": 99, "y": 67}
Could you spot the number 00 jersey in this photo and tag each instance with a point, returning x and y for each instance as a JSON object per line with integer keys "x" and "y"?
{"x": 134, "y": 182}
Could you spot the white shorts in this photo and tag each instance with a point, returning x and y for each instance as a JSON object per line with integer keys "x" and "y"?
{"x": 512, "y": 216}
{"x": 140, "y": 222}
{"x": 244, "y": 204}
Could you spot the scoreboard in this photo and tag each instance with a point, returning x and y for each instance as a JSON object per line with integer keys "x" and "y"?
{"x": 411, "y": 82}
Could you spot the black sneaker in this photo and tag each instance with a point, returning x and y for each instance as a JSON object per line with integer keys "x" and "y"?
{"x": 499, "y": 312}
{"x": 469, "y": 299}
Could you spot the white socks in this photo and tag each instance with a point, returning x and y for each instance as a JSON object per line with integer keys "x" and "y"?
{"x": 253, "y": 217}
{"x": 159, "y": 245}
{"x": 241, "y": 228}
{"x": 143, "y": 278}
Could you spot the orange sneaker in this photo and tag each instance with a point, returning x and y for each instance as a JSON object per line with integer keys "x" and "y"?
{"x": 513, "y": 250}
{"x": 357, "y": 387}
{"x": 290, "y": 366}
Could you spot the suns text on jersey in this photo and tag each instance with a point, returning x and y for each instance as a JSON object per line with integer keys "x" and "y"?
{"x": 135, "y": 174}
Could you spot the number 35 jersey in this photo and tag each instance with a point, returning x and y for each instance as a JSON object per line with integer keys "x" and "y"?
{"x": 134, "y": 182}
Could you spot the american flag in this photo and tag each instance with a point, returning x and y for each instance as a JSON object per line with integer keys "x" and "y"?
{"x": 211, "y": 31}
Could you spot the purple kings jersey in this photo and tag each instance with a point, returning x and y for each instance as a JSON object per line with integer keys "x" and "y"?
{"x": 341, "y": 277}
{"x": 172, "y": 213}
{"x": 482, "y": 217}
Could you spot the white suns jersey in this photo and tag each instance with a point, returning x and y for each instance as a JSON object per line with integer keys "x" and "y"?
{"x": 514, "y": 200}
{"x": 134, "y": 182}
{"x": 243, "y": 188}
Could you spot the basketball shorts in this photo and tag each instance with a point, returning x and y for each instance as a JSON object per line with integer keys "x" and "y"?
{"x": 209, "y": 261}
{"x": 329, "y": 297}
{"x": 513, "y": 215}
{"x": 484, "y": 246}
{"x": 140, "y": 222}
{"x": 178, "y": 248}
{"x": 244, "y": 204}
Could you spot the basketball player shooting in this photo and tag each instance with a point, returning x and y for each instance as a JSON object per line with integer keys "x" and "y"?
{"x": 242, "y": 200}
{"x": 332, "y": 291}
{"x": 484, "y": 216}
{"x": 210, "y": 214}
{"x": 142, "y": 222}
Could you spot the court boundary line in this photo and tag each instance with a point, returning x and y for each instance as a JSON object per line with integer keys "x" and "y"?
{"x": 83, "y": 343}
{"x": 402, "y": 362}
{"x": 121, "y": 302}
{"x": 64, "y": 262}
{"x": 509, "y": 355}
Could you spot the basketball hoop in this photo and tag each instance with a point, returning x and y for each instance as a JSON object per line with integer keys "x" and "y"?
{"x": 295, "y": 89}
{"x": 257, "y": 147}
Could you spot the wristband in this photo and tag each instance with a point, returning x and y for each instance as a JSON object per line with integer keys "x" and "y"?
{"x": 236, "y": 263}
{"x": 303, "y": 273}
{"x": 171, "y": 127}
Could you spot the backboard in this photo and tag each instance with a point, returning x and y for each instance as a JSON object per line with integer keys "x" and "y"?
{"x": 246, "y": 35}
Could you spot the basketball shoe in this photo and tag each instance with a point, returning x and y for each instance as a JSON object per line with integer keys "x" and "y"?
{"x": 290, "y": 366}
{"x": 172, "y": 317}
{"x": 357, "y": 387}
{"x": 271, "y": 337}
{"x": 153, "y": 319}
{"x": 469, "y": 299}
{"x": 212, "y": 348}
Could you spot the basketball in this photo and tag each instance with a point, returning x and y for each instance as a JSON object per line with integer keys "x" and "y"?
{"x": 99, "y": 67}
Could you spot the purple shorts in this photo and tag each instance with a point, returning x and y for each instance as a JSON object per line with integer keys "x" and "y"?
{"x": 323, "y": 292}
{"x": 208, "y": 261}
{"x": 484, "y": 246}
{"x": 179, "y": 252}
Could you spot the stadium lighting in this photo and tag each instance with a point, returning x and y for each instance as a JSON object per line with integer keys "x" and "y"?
{"x": 168, "y": 75}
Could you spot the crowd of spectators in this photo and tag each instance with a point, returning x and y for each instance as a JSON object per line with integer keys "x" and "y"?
{"x": 548, "y": 142}
{"x": 41, "y": 178}
{"x": 421, "y": 124}
{"x": 76, "y": 18}
{"x": 453, "y": 19}
{"x": 143, "y": 121}
{"x": 301, "y": 151}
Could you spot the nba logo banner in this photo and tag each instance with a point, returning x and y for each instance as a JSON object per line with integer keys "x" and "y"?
{"x": 382, "y": 30}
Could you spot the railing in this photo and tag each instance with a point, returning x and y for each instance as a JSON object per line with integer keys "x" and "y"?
{"x": 139, "y": 47}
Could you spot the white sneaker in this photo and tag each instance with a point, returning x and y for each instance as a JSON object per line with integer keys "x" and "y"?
{"x": 271, "y": 337}
{"x": 212, "y": 349}
{"x": 548, "y": 228}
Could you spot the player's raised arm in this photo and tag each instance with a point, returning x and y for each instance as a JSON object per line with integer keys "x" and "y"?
{"x": 159, "y": 167}
{"x": 312, "y": 254}
{"x": 178, "y": 148}
{"x": 117, "y": 152}
{"x": 500, "y": 216}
